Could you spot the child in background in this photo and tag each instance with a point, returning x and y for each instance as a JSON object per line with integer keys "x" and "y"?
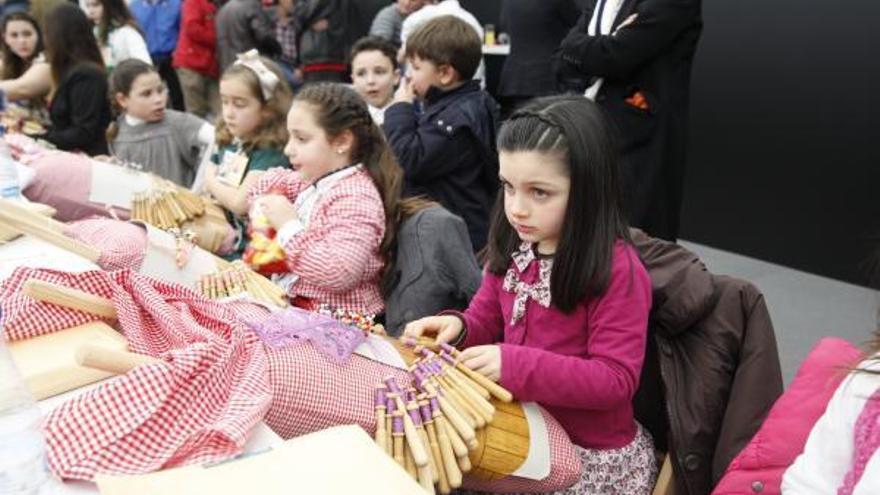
{"x": 375, "y": 74}
{"x": 167, "y": 143}
{"x": 447, "y": 151}
{"x": 250, "y": 135}
{"x": 195, "y": 58}
{"x": 24, "y": 74}
{"x": 842, "y": 453}
{"x": 335, "y": 212}
{"x": 562, "y": 314}
{"x": 285, "y": 33}
{"x": 118, "y": 34}
{"x": 243, "y": 25}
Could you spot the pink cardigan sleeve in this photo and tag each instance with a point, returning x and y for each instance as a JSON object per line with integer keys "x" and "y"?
{"x": 608, "y": 375}
{"x": 345, "y": 232}
{"x": 483, "y": 319}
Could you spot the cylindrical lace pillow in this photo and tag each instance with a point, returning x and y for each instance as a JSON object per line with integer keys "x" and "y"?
{"x": 311, "y": 392}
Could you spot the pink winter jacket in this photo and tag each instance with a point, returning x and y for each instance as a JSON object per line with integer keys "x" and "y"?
{"x": 761, "y": 464}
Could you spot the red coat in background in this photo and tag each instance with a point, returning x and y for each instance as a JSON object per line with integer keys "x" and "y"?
{"x": 197, "y": 46}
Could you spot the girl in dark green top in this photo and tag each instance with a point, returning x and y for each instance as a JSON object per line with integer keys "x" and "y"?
{"x": 251, "y": 134}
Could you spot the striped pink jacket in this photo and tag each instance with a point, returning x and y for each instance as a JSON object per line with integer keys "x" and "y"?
{"x": 336, "y": 256}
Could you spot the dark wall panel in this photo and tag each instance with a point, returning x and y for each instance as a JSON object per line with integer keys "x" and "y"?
{"x": 784, "y": 160}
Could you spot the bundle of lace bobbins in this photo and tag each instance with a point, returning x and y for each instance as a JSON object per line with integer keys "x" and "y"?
{"x": 166, "y": 206}
{"x": 236, "y": 279}
{"x": 430, "y": 428}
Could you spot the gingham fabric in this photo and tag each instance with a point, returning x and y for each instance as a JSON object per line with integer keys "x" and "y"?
{"x": 337, "y": 257}
{"x": 122, "y": 244}
{"x": 198, "y": 406}
{"x": 311, "y": 393}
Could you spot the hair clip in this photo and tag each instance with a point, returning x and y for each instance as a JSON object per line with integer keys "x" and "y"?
{"x": 537, "y": 115}
{"x": 268, "y": 79}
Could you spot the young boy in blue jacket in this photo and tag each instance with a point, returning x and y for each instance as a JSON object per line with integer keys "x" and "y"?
{"x": 447, "y": 149}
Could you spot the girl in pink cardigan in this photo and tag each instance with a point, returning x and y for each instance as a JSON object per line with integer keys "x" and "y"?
{"x": 562, "y": 314}
{"x": 332, "y": 211}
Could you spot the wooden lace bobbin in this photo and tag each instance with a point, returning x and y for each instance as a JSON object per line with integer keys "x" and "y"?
{"x": 428, "y": 472}
{"x": 413, "y": 440}
{"x": 390, "y": 407}
{"x": 408, "y": 463}
{"x": 503, "y": 445}
{"x": 461, "y": 403}
{"x": 381, "y": 435}
{"x": 496, "y": 390}
{"x": 481, "y": 410}
{"x": 459, "y": 449}
{"x": 440, "y": 458}
{"x": 423, "y": 375}
{"x": 397, "y": 436}
{"x": 447, "y": 364}
{"x": 464, "y": 429}
{"x": 231, "y": 282}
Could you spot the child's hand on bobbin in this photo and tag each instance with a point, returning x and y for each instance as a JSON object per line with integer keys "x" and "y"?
{"x": 446, "y": 327}
{"x": 484, "y": 359}
{"x": 277, "y": 209}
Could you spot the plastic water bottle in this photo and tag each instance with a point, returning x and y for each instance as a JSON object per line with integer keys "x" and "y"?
{"x": 23, "y": 467}
{"x": 10, "y": 187}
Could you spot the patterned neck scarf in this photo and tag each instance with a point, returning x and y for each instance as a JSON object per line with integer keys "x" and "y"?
{"x": 866, "y": 442}
{"x": 538, "y": 291}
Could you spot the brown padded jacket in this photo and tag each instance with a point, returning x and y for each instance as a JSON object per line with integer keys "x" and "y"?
{"x": 711, "y": 368}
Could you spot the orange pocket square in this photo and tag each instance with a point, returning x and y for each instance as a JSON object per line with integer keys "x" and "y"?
{"x": 638, "y": 100}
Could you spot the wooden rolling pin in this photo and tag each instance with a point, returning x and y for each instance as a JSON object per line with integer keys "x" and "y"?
{"x": 12, "y": 220}
{"x": 110, "y": 360}
{"x": 69, "y": 298}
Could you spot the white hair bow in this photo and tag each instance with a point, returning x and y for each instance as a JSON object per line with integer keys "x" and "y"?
{"x": 268, "y": 79}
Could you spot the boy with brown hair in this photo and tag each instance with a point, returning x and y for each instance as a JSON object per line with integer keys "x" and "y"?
{"x": 447, "y": 149}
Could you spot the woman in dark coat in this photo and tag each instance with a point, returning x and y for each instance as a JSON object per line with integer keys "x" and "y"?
{"x": 636, "y": 63}
{"x": 536, "y": 28}
{"x": 79, "y": 108}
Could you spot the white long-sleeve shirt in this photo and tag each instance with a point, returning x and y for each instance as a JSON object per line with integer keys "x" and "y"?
{"x": 828, "y": 453}
{"x": 123, "y": 43}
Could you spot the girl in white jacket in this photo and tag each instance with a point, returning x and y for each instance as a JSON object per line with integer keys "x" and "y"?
{"x": 842, "y": 454}
{"x": 118, "y": 33}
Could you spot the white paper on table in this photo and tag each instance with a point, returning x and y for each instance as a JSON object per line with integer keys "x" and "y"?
{"x": 159, "y": 260}
{"x": 537, "y": 463}
{"x": 308, "y": 464}
{"x": 32, "y": 252}
{"x": 114, "y": 185}
{"x": 380, "y": 350}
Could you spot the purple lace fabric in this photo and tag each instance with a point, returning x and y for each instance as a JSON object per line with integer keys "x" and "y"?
{"x": 866, "y": 441}
{"x": 294, "y": 325}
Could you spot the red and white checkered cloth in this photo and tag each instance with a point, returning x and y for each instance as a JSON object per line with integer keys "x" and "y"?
{"x": 311, "y": 393}
{"x": 198, "y": 406}
{"x": 122, "y": 244}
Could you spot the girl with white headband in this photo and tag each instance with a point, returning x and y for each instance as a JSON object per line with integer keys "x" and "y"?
{"x": 251, "y": 134}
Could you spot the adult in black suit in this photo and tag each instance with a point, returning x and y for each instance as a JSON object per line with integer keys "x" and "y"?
{"x": 536, "y": 28}
{"x": 643, "y": 54}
